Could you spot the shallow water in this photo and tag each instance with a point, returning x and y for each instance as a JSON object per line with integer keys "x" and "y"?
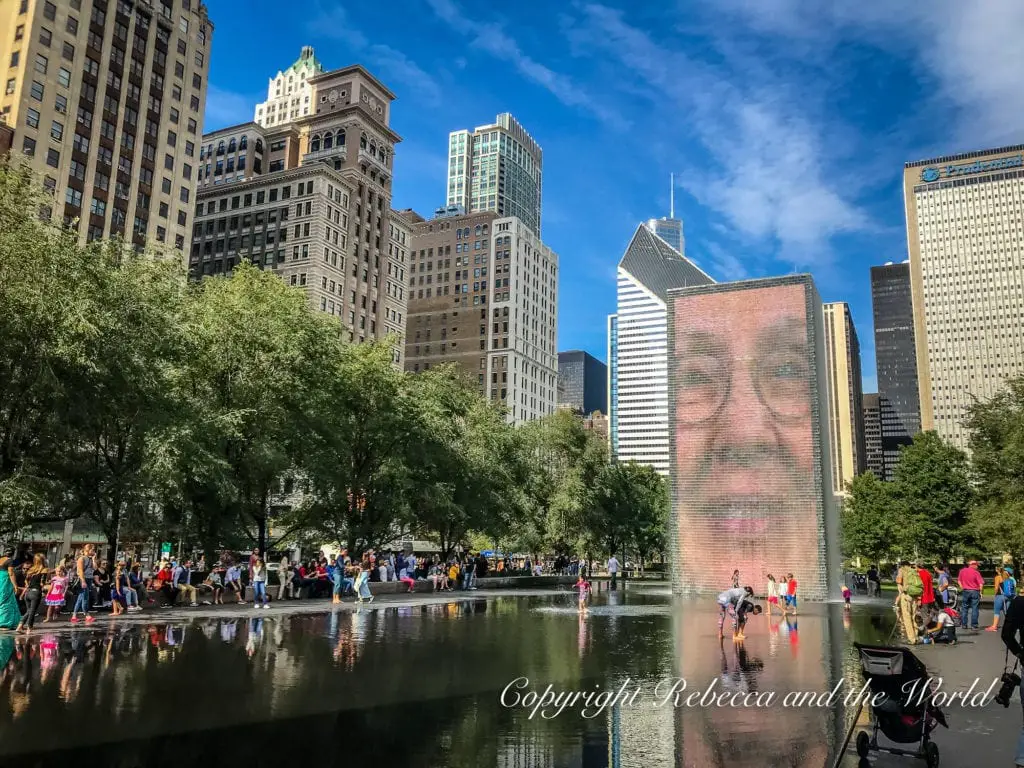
{"x": 423, "y": 686}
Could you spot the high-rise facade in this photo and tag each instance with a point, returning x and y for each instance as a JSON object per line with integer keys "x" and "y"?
{"x": 965, "y": 236}
{"x": 483, "y": 292}
{"x": 895, "y": 360}
{"x": 496, "y": 168}
{"x": 669, "y": 230}
{"x": 582, "y": 382}
{"x": 290, "y": 92}
{"x": 845, "y": 394}
{"x": 310, "y": 199}
{"x": 106, "y": 100}
{"x": 639, "y": 375}
{"x": 874, "y": 461}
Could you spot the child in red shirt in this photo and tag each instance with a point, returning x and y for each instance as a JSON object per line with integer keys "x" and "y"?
{"x": 791, "y": 594}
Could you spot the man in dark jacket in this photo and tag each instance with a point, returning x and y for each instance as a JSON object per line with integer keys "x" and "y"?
{"x": 1013, "y": 636}
{"x": 481, "y": 566}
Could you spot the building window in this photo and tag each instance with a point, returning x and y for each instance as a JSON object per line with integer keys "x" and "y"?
{"x": 72, "y": 26}
{"x": 50, "y": 10}
{"x": 42, "y": 63}
{"x": 57, "y": 130}
{"x": 45, "y": 36}
{"x": 68, "y": 52}
{"x": 73, "y": 197}
{"x": 15, "y": 58}
{"x": 32, "y": 118}
{"x": 52, "y": 158}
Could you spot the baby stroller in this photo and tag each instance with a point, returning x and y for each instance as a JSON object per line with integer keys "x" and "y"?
{"x": 907, "y": 715}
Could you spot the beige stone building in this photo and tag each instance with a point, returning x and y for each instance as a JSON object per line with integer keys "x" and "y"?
{"x": 310, "y": 198}
{"x": 106, "y": 100}
{"x": 965, "y": 236}
{"x": 483, "y": 294}
{"x": 846, "y": 396}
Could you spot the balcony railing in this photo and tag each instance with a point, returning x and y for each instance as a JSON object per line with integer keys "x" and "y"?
{"x": 325, "y": 154}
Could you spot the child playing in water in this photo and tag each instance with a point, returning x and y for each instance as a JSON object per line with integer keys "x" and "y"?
{"x": 728, "y": 603}
{"x": 56, "y": 595}
{"x": 846, "y": 596}
{"x": 746, "y": 606}
{"x": 583, "y": 587}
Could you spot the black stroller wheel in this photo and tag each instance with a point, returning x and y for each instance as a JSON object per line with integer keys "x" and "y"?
{"x": 931, "y": 755}
{"x": 863, "y": 744}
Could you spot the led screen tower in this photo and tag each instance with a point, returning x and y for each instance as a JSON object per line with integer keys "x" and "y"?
{"x": 749, "y": 438}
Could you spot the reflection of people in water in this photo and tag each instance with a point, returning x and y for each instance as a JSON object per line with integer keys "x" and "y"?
{"x": 743, "y": 452}
{"x": 755, "y": 737}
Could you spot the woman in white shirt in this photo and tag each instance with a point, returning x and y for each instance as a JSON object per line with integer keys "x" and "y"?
{"x": 772, "y": 593}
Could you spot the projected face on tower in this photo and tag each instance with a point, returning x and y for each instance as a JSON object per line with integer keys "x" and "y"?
{"x": 743, "y": 464}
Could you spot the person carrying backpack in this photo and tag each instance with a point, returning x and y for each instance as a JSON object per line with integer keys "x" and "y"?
{"x": 910, "y": 586}
{"x": 1005, "y": 591}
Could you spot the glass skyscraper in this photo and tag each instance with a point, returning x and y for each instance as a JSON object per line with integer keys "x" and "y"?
{"x": 496, "y": 168}
{"x": 896, "y": 361}
{"x": 670, "y": 230}
{"x": 582, "y": 382}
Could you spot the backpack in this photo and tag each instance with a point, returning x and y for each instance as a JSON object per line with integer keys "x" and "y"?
{"x": 912, "y": 583}
{"x": 1009, "y": 587}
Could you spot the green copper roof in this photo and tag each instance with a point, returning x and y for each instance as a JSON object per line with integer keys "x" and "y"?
{"x": 307, "y": 60}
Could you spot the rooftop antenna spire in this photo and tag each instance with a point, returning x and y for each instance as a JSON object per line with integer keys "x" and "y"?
{"x": 672, "y": 196}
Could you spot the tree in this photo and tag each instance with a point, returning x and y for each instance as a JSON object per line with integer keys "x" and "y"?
{"x": 257, "y": 363}
{"x": 934, "y": 496}
{"x": 125, "y": 403}
{"x": 463, "y": 462}
{"x": 357, "y": 464}
{"x": 631, "y": 510}
{"x": 45, "y": 328}
{"x": 997, "y": 466}
{"x": 868, "y": 520}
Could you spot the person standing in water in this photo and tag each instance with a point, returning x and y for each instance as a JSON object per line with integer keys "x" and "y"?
{"x": 728, "y": 602}
{"x": 33, "y": 593}
{"x": 583, "y": 587}
{"x": 772, "y": 593}
{"x": 259, "y": 584}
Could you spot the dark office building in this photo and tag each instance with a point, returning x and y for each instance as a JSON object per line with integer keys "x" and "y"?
{"x": 895, "y": 359}
{"x": 582, "y": 382}
{"x": 873, "y": 435}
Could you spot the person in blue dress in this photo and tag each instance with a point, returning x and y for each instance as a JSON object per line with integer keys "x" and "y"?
{"x": 10, "y": 616}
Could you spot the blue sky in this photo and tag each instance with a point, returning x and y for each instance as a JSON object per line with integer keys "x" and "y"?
{"x": 786, "y": 122}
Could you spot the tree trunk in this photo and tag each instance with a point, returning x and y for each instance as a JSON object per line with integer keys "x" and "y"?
{"x": 261, "y": 525}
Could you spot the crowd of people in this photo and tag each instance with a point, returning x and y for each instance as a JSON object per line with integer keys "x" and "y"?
{"x": 927, "y": 606}
{"x": 84, "y": 584}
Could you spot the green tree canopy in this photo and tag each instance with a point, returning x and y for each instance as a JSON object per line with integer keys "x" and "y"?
{"x": 997, "y": 462}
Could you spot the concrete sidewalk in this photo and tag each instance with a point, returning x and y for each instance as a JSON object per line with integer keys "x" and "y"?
{"x": 385, "y": 598}
{"x": 977, "y": 736}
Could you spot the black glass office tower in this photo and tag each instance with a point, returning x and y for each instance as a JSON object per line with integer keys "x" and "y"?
{"x": 582, "y": 382}
{"x": 896, "y": 360}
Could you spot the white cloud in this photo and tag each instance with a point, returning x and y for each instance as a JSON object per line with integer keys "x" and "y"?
{"x": 224, "y": 108}
{"x": 389, "y": 64}
{"x": 971, "y": 51}
{"x": 765, "y": 174}
{"x": 492, "y": 39}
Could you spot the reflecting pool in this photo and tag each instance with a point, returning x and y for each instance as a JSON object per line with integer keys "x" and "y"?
{"x": 412, "y": 684}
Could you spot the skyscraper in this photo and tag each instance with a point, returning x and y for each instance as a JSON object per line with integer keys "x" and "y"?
{"x": 290, "y": 93}
{"x": 965, "y": 235}
{"x": 496, "y": 168}
{"x": 582, "y": 382}
{"x": 309, "y": 197}
{"x": 471, "y": 304}
{"x": 106, "y": 100}
{"x": 669, "y": 229}
{"x": 845, "y": 393}
{"x": 873, "y": 459}
{"x": 895, "y": 360}
{"x": 639, "y": 375}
